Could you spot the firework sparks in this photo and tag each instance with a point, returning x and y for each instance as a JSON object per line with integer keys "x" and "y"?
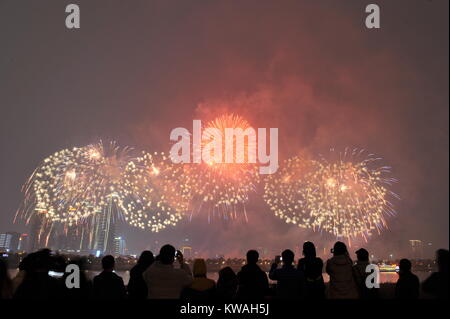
{"x": 222, "y": 189}
{"x": 73, "y": 184}
{"x": 347, "y": 197}
{"x": 153, "y": 192}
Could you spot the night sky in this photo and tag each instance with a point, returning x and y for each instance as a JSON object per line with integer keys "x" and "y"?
{"x": 137, "y": 69}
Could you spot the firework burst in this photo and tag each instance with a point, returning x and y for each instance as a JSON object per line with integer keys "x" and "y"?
{"x": 154, "y": 192}
{"x": 218, "y": 188}
{"x": 73, "y": 184}
{"x": 347, "y": 196}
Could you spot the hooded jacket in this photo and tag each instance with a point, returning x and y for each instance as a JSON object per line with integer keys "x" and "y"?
{"x": 342, "y": 284}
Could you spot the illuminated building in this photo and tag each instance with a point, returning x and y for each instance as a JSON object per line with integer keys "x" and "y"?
{"x": 24, "y": 242}
{"x": 104, "y": 229}
{"x": 119, "y": 246}
{"x": 70, "y": 240}
{"x": 9, "y": 241}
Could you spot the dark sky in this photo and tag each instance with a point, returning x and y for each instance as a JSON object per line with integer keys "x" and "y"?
{"x": 137, "y": 69}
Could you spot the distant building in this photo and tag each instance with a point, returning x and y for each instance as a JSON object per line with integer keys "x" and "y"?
{"x": 9, "y": 241}
{"x": 71, "y": 239}
{"x": 40, "y": 231}
{"x": 105, "y": 229}
{"x": 24, "y": 242}
{"x": 416, "y": 248}
{"x": 119, "y": 246}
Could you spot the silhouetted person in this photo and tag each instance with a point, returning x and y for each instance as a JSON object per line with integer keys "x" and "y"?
{"x": 252, "y": 281}
{"x": 202, "y": 288}
{"x": 137, "y": 288}
{"x": 85, "y": 291}
{"x": 340, "y": 269}
{"x": 289, "y": 279}
{"x": 6, "y": 287}
{"x": 24, "y": 267}
{"x": 408, "y": 285}
{"x": 312, "y": 267}
{"x": 360, "y": 274}
{"x": 226, "y": 284}
{"x": 437, "y": 284}
{"x": 37, "y": 284}
{"x": 108, "y": 285}
{"x": 163, "y": 280}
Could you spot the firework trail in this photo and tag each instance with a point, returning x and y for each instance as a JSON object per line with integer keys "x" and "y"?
{"x": 347, "y": 196}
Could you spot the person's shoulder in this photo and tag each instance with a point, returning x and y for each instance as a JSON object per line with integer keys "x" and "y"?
{"x": 116, "y": 276}
{"x": 134, "y": 269}
{"x": 97, "y": 280}
{"x": 258, "y": 268}
{"x": 152, "y": 268}
{"x": 261, "y": 272}
{"x": 97, "y": 277}
{"x": 212, "y": 281}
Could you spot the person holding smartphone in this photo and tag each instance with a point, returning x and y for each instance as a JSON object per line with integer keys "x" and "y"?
{"x": 289, "y": 278}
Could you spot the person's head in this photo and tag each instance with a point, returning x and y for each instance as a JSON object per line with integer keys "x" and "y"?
{"x": 42, "y": 261}
{"x": 362, "y": 254}
{"x": 309, "y": 250}
{"x": 288, "y": 257}
{"x": 167, "y": 254}
{"x": 405, "y": 266}
{"x": 199, "y": 268}
{"x": 146, "y": 258}
{"x": 27, "y": 262}
{"x": 108, "y": 263}
{"x": 442, "y": 260}
{"x": 339, "y": 249}
{"x": 252, "y": 257}
{"x": 226, "y": 275}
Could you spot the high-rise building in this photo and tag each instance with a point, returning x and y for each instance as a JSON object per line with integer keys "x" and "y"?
{"x": 416, "y": 248}
{"x": 70, "y": 239}
{"x": 105, "y": 228}
{"x": 9, "y": 241}
{"x": 119, "y": 246}
{"x": 24, "y": 242}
